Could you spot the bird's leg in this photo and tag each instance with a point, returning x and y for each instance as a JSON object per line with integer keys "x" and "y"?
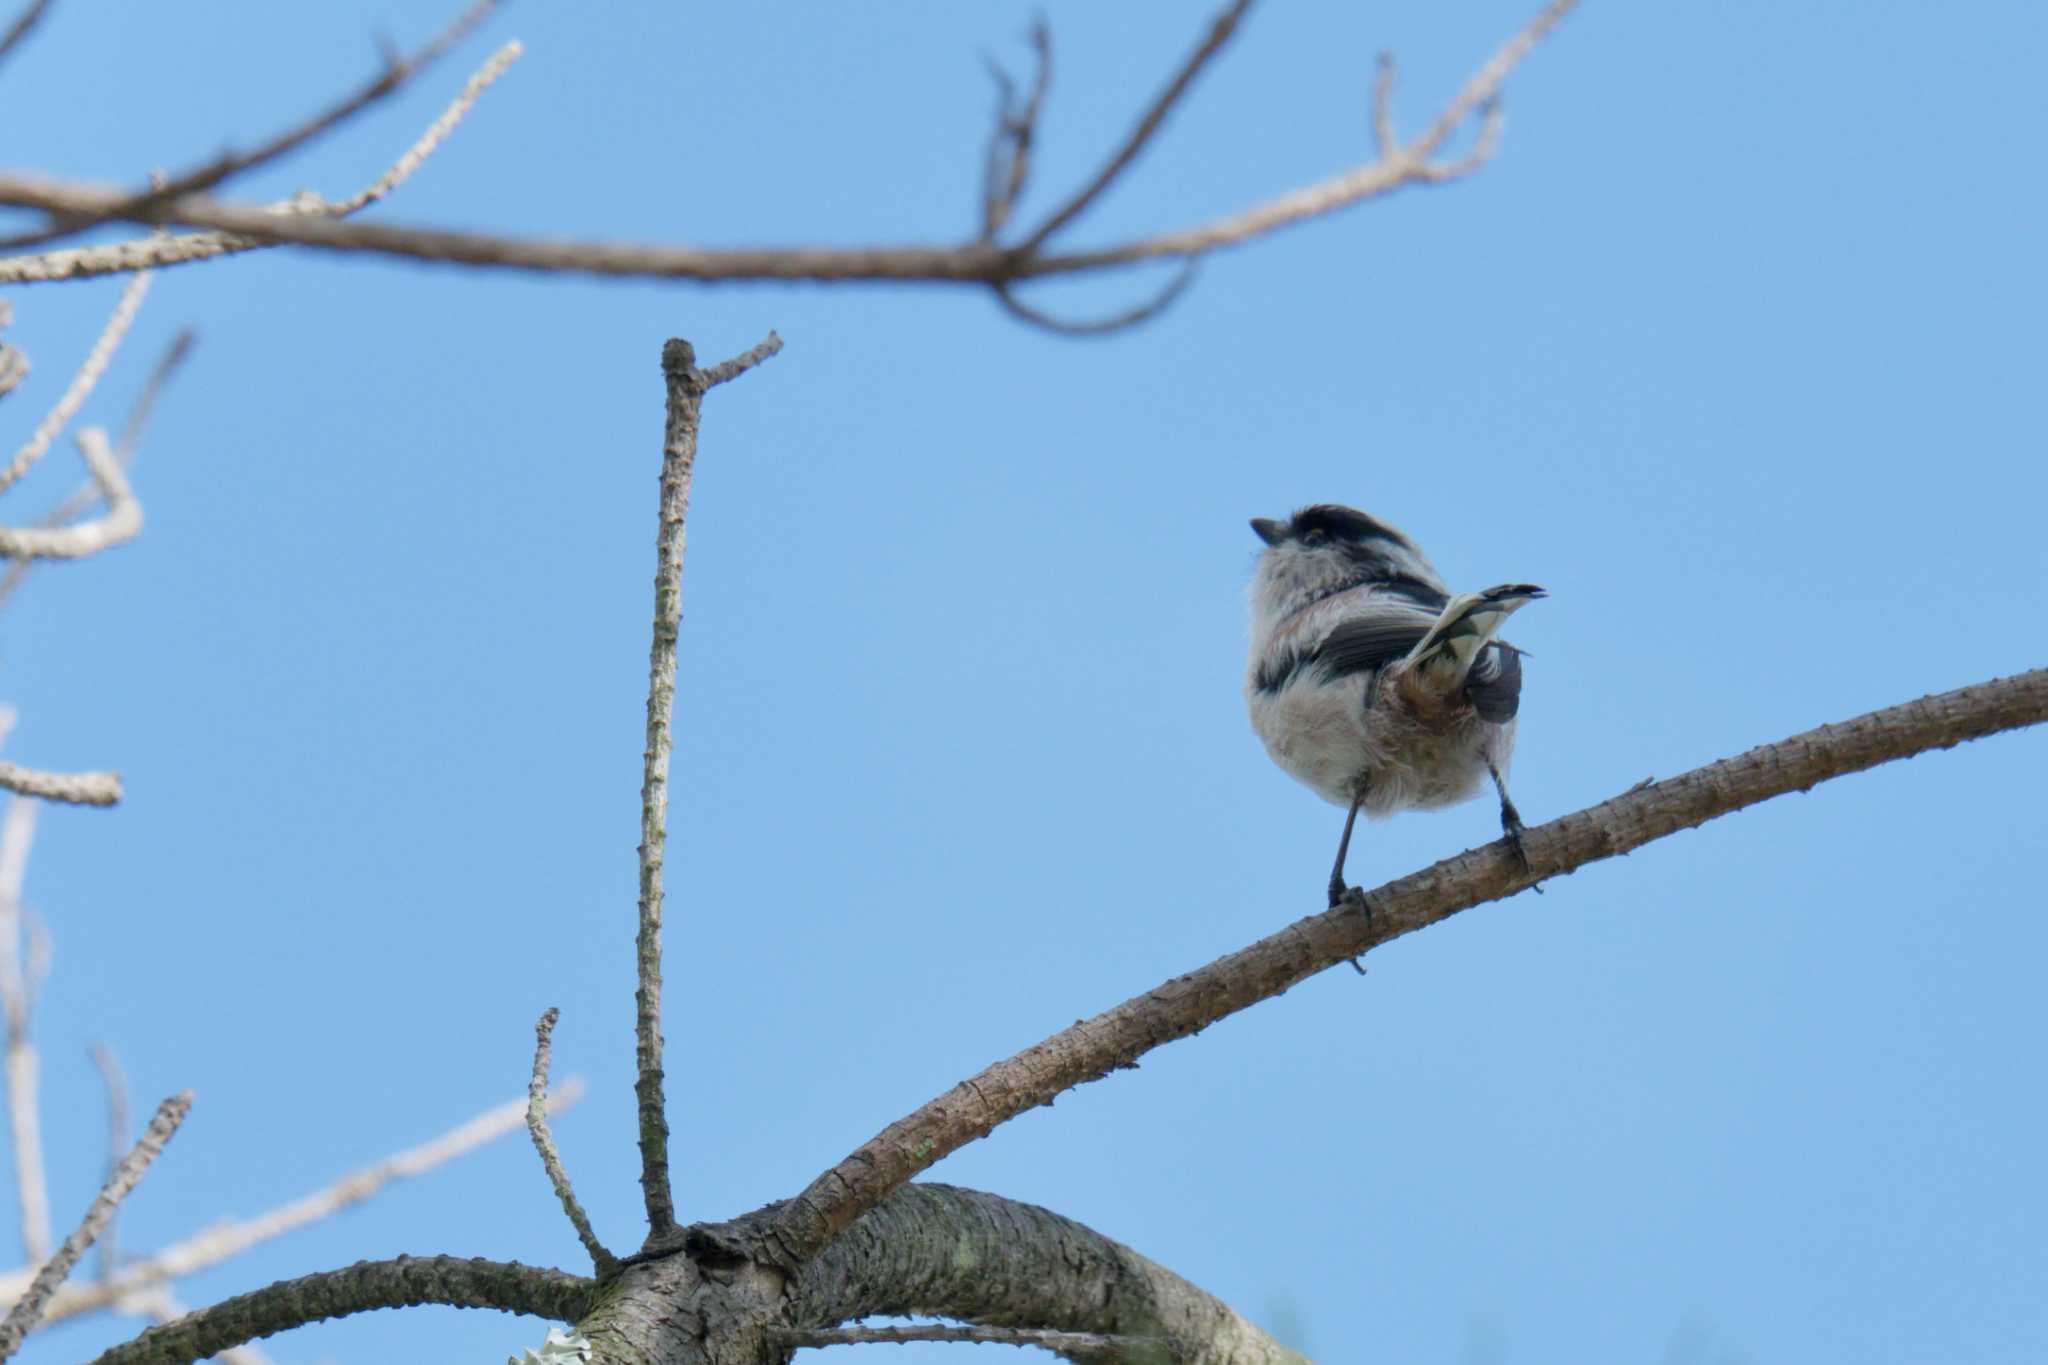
{"x": 1510, "y": 819}
{"x": 1339, "y": 892}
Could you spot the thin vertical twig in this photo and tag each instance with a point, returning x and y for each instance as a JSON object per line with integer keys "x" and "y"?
{"x": 544, "y": 1142}
{"x": 17, "y": 1000}
{"x": 117, "y": 1143}
{"x": 686, "y": 385}
{"x": 28, "y": 1309}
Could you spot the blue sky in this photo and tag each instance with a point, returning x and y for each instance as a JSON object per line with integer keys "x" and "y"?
{"x": 1736, "y": 350}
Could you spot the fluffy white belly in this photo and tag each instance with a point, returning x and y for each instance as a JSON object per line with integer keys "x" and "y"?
{"x": 1325, "y": 738}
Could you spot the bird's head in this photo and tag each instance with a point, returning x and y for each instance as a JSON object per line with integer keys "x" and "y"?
{"x": 1326, "y": 549}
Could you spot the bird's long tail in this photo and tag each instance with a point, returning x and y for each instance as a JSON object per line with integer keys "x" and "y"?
{"x": 1465, "y": 626}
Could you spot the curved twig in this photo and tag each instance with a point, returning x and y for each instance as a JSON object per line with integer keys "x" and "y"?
{"x": 82, "y": 498}
{"x": 403, "y": 1282}
{"x": 1186, "y": 1004}
{"x": 122, "y": 521}
{"x": 1094, "y": 327}
{"x": 544, "y": 1142}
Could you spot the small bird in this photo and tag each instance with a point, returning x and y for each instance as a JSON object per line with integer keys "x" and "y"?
{"x": 1369, "y": 682}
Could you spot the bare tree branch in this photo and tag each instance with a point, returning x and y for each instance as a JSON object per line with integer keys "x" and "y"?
{"x": 686, "y": 386}
{"x": 402, "y": 1282}
{"x": 159, "y": 1305}
{"x": 123, "y": 519}
{"x": 725, "y": 371}
{"x": 1386, "y": 143}
{"x": 1115, "y": 322}
{"x": 82, "y": 383}
{"x": 20, "y": 28}
{"x": 942, "y": 1251}
{"x": 1187, "y": 1004}
{"x": 82, "y": 498}
{"x": 544, "y": 1142}
{"x": 397, "y": 71}
{"x": 1484, "y": 87}
{"x": 161, "y": 249}
{"x": 978, "y": 262}
{"x": 116, "y": 1083}
{"x": 167, "y": 367}
{"x": 437, "y": 132}
{"x": 1006, "y": 168}
{"x": 17, "y": 998}
{"x": 28, "y": 1309}
{"x": 1219, "y": 34}
{"x": 14, "y": 365}
{"x": 230, "y": 1238}
{"x": 74, "y": 789}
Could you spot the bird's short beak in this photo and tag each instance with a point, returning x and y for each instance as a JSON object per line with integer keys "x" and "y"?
{"x": 1268, "y": 530}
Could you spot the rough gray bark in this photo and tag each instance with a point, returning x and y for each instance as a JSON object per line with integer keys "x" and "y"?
{"x": 954, "y": 1253}
{"x": 399, "y": 1283}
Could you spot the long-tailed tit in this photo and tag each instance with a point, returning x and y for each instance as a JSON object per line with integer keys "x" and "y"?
{"x": 1369, "y": 682}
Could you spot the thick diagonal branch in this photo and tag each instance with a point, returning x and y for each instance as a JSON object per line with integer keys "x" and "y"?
{"x": 1094, "y": 1047}
{"x": 687, "y": 386}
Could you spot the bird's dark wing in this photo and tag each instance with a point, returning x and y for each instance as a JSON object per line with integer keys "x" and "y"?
{"x": 1364, "y": 643}
{"x": 1495, "y": 683}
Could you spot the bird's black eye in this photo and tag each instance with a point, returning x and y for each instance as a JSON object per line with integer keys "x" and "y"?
{"x": 1315, "y": 535}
